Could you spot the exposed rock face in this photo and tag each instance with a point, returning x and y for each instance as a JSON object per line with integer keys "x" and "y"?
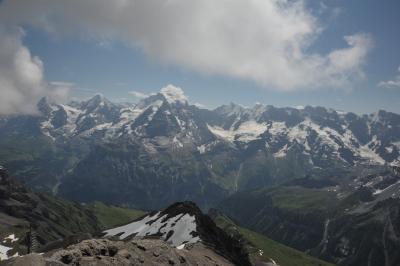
{"x": 138, "y": 252}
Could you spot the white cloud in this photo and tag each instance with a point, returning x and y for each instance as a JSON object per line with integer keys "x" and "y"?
{"x": 267, "y": 41}
{"x": 139, "y": 94}
{"x": 21, "y": 76}
{"x": 173, "y": 94}
{"x": 394, "y": 83}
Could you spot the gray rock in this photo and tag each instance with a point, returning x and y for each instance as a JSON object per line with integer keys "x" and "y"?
{"x": 147, "y": 252}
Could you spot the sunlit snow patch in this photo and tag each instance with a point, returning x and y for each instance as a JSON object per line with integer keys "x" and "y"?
{"x": 11, "y": 238}
{"x": 3, "y": 253}
{"x": 247, "y": 131}
{"x": 176, "y": 230}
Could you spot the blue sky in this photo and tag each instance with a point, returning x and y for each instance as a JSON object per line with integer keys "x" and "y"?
{"x": 114, "y": 67}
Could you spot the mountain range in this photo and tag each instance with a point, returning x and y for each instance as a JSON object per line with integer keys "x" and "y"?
{"x": 312, "y": 178}
{"x": 163, "y": 149}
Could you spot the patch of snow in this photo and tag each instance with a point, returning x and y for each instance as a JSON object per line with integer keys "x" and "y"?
{"x": 100, "y": 127}
{"x": 277, "y": 128}
{"x": 182, "y": 225}
{"x": 397, "y": 144}
{"x": 379, "y": 191}
{"x": 374, "y": 117}
{"x": 247, "y": 131}
{"x": 3, "y": 252}
{"x": 11, "y": 237}
{"x": 327, "y": 136}
{"x": 180, "y": 122}
{"x": 181, "y": 246}
{"x": 258, "y": 110}
{"x": 341, "y": 112}
{"x": 220, "y": 132}
{"x": 129, "y": 114}
{"x": 176, "y": 141}
{"x": 154, "y": 110}
{"x": 72, "y": 113}
{"x": 299, "y": 133}
{"x": 46, "y": 126}
{"x": 201, "y": 149}
{"x": 282, "y": 152}
{"x": 273, "y": 262}
{"x": 366, "y": 152}
{"x": 389, "y": 149}
{"x": 395, "y": 163}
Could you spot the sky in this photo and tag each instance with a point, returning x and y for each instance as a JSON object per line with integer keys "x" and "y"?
{"x": 341, "y": 54}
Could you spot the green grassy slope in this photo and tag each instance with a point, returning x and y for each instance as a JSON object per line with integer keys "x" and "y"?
{"x": 301, "y": 199}
{"x": 111, "y": 216}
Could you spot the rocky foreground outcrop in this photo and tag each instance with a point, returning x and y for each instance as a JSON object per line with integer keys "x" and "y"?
{"x": 136, "y": 252}
{"x": 182, "y": 224}
{"x": 178, "y": 235}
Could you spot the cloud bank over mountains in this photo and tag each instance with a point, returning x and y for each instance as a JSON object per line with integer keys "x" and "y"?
{"x": 21, "y": 76}
{"x": 268, "y": 42}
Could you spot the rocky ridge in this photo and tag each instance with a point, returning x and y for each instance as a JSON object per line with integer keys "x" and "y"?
{"x": 138, "y": 252}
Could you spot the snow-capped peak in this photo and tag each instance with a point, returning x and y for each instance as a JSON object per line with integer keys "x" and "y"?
{"x": 174, "y": 94}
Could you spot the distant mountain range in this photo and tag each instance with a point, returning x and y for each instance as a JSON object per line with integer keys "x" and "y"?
{"x": 163, "y": 149}
{"x": 164, "y": 121}
{"x": 312, "y": 178}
